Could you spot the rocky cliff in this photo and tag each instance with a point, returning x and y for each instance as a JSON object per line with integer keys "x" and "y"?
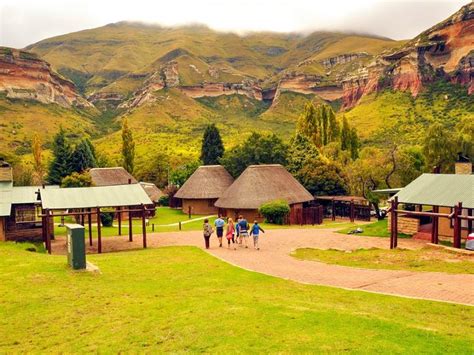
{"x": 444, "y": 52}
{"x": 24, "y": 76}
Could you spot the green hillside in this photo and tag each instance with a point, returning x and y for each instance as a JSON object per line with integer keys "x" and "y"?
{"x": 94, "y": 59}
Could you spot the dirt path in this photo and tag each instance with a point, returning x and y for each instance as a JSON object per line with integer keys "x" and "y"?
{"x": 274, "y": 259}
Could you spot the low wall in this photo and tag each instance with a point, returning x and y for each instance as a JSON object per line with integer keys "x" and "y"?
{"x": 406, "y": 225}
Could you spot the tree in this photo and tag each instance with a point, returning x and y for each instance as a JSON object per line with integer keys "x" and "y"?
{"x": 179, "y": 175}
{"x": 156, "y": 170}
{"x": 323, "y": 178}
{"x": 77, "y": 180}
{"x": 439, "y": 147}
{"x": 345, "y": 134}
{"x": 334, "y": 129}
{"x": 38, "y": 168}
{"x": 257, "y": 149}
{"x": 465, "y": 137}
{"x": 411, "y": 164}
{"x": 354, "y": 144}
{"x": 308, "y": 124}
{"x": 128, "y": 148}
{"x": 212, "y": 148}
{"x": 83, "y": 156}
{"x": 300, "y": 152}
{"x": 60, "y": 166}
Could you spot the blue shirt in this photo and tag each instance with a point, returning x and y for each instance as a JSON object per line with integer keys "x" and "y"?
{"x": 243, "y": 225}
{"x": 219, "y": 223}
{"x": 255, "y": 229}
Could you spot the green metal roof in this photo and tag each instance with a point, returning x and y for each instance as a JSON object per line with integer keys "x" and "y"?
{"x": 11, "y": 195}
{"x": 439, "y": 190}
{"x": 99, "y": 196}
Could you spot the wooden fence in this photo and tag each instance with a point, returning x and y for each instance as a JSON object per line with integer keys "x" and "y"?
{"x": 306, "y": 215}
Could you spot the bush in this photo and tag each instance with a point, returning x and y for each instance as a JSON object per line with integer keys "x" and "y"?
{"x": 164, "y": 200}
{"x": 275, "y": 211}
{"x": 107, "y": 218}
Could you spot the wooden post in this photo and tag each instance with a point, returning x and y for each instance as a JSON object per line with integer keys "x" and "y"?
{"x": 153, "y": 227}
{"x": 189, "y": 211}
{"x": 395, "y": 241}
{"x": 89, "y": 222}
{"x": 130, "y": 231}
{"x": 82, "y": 219}
{"x": 48, "y": 236}
{"x": 119, "y": 218}
{"x": 457, "y": 225}
{"x": 179, "y": 224}
{"x": 99, "y": 236}
{"x": 469, "y": 222}
{"x": 352, "y": 211}
{"x": 333, "y": 209}
{"x": 434, "y": 226}
{"x": 144, "y": 225}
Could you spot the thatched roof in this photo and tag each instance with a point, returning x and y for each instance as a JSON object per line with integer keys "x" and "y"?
{"x": 111, "y": 176}
{"x": 208, "y": 181}
{"x": 259, "y": 184}
{"x": 153, "y": 192}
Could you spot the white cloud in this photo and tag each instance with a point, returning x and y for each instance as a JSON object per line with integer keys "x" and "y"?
{"x": 23, "y": 22}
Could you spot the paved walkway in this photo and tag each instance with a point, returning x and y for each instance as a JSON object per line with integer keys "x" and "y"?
{"x": 274, "y": 259}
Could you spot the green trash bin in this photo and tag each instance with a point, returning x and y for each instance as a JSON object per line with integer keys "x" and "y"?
{"x": 76, "y": 246}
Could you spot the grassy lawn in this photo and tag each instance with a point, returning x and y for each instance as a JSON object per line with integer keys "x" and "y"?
{"x": 180, "y": 299}
{"x": 376, "y": 229}
{"x": 425, "y": 259}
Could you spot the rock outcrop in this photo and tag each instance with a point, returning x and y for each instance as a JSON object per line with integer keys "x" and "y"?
{"x": 24, "y": 76}
{"x": 445, "y": 52}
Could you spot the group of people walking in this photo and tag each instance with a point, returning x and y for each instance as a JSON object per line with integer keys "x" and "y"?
{"x": 236, "y": 233}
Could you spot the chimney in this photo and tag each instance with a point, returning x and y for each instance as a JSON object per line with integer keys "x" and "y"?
{"x": 463, "y": 165}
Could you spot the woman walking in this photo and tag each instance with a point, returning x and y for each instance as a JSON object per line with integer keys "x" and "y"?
{"x": 207, "y": 230}
{"x": 230, "y": 233}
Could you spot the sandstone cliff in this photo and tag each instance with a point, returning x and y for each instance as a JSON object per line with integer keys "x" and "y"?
{"x": 445, "y": 52}
{"x": 24, "y": 76}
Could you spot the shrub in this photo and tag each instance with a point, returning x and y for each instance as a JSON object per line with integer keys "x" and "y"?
{"x": 164, "y": 200}
{"x": 275, "y": 211}
{"x": 107, "y": 217}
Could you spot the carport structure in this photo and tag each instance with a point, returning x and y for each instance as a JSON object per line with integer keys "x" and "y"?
{"x": 88, "y": 201}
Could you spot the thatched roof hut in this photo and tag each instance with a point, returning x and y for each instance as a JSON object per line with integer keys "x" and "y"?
{"x": 153, "y": 192}
{"x": 207, "y": 182}
{"x": 111, "y": 176}
{"x": 259, "y": 184}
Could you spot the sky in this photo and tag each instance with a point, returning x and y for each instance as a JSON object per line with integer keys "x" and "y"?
{"x": 23, "y": 22}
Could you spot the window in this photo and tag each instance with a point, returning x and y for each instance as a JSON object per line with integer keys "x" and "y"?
{"x": 26, "y": 214}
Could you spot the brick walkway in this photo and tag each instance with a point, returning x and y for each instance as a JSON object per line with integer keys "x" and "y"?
{"x": 274, "y": 259}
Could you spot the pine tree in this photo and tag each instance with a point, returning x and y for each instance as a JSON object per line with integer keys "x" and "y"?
{"x": 345, "y": 135}
{"x": 212, "y": 148}
{"x": 38, "y": 168}
{"x": 324, "y": 114}
{"x": 128, "y": 148}
{"x": 60, "y": 166}
{"x": 83, "y": 157}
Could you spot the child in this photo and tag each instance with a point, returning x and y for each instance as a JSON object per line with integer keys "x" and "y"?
{"x": 230, "y": 232}
{"x": 207, "y": 232}
{"x": 255, "y": 231}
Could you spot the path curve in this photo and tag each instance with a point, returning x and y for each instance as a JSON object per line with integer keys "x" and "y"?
{"x": 274, "y": 259}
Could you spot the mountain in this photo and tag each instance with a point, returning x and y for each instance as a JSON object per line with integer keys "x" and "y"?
{"x": 171, "y": 82}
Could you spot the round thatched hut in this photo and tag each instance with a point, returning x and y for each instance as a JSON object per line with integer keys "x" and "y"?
{"x": 259, "y": 184}
{"x": 203, "y": 188}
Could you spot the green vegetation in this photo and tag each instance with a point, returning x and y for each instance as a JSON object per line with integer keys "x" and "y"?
{"x": 426, "y": 259}
{"x": 181, "y": 299}
{"x": 275, "y": 211}
{"x": 128, "y": 148}
{"x": 212, "y": 148}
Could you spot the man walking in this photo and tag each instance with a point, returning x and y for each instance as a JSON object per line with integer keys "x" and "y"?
{"x": 219, "y": 223}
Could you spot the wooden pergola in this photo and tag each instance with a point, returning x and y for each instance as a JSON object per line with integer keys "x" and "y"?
{"x": 88, "y": 201}
{"x": 437, "y": 191}
{"x": 354, "y": 207}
